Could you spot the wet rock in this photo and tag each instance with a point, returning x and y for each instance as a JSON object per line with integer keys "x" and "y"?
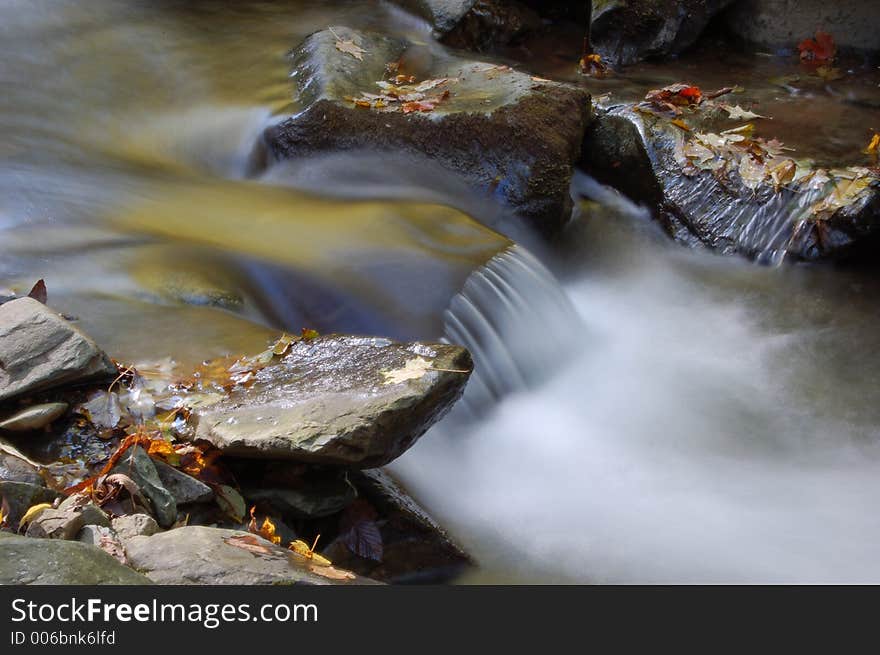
{"x": 414, "y": 547}
{"x": 66, "y": 521}
{"x": 782, "y": 24}
{"x": 201, "y": 555}
{"x": 48, "y": 561}
{"x": 339, "y": 400}
{"x": 443, "y": 15}
{"x": 14, "y": 469}
{"x": 184, "y": 488}
{"x": 41, "y": 350}
{"x": 139, "y": 466}
{"x": 509, "y": 135}
{"x": 135, "y": 525}
{"x": 32, "y": 418}
{"x": 20, "y": 496}
{"x": 627, "y": 31}
{"x": 314, "y": 498}
{"x": 492, "y": 23}
{"x": 642, "y": 155}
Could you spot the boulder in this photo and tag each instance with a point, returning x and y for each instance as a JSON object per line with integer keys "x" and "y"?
{"x": 140, "y": 467}
{"x": 51, "y": 562}
{"x": 212, "y": 556}
{"x": 339, "y": 400}
{"x": 40, "y": 350}
{"x": 489, "y": 24}
{"x": 782, "y": 24}
{"x": 20, "y": 496}
{"x": 508, "y": 134}
{"x": 443, "y": 15}
{"x": 184, "y": 488}
{"x": 627, "y": 31}
{"x": 732, "y": 203}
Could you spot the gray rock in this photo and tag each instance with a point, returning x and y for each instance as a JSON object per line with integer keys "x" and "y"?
{"x": 185, "y": 488}
{"x": 66, "y": 522}
{"x": 314, "y": 499}
{"x": 783, "y": 24}
{"x": 35, "y": 417}
{"x": 507, "y": 134}
{"x": 201, "y": 555}
{"x": 490, "y": 24}
{"x": 40, "y": 350}
{"x": 626, "y": 31}
{"x": 48, "y": 561}
{"x": 15, "y": 469}
{"x": 642, "y": 156}
{"x": 135, "y": 525}
{"x": 92, "y": 514}
{"x": 95, "y": 534}
{"x": 139, "y": 466}
{"x": 340, "y": 400}
{"x": 20, "y": 496}
{"x": 443, "y": 15}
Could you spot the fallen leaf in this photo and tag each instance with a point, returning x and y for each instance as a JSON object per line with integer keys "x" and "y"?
{"x": 414, "y": 369}
{"x": 349, "y": 47}
{"x": 302, "y": 549}
{"x": 32, "y": 513}
{"x": 103, "y": 410}
{"x": 820, "y": 48}
{"x": 360, "y": 532}
{"x": 249, "y": 543}
{"x": 680, "y": 124}
{"x": 872, "y": 148}
{"x": 828, "y": 73}
{"x": 38, "y": 292}
{"x": 737, "y": 113}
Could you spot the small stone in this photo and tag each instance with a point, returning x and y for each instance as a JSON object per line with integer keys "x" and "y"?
{"x": 139, "y": 466}
{"x": 56, "y": 524}
{"x": 184, "y": 488}
{"x": 135, "y": 525}
{"x": 36, "y": 417}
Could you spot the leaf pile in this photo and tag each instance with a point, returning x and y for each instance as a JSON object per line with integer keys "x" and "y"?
{"x": 403, "y": 94}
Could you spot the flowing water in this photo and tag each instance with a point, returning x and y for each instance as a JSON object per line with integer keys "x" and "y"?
{"x": 640, "y": 412}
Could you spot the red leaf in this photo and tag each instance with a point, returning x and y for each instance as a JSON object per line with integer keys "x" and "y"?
{"x": 39, "y": 292}
{"x": 821, "y": 48}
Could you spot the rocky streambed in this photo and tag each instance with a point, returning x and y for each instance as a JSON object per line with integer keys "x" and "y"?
{"x": 250, "y": 470}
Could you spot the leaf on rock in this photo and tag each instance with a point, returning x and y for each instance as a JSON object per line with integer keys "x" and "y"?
{"x": 302, "y": 549}
{"x": 820, "y": 48}
{"x": 33, "y": 512}
{"x": 38, "y": 292}
{"x": 414, "y": 369}
{"x": 249, "y": 543}
{"x": 872, "y": 148}
{"x": 349, "y": 47}
{"x": 103, "y": 410}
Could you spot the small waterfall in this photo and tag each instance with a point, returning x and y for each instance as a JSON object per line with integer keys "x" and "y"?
{"x": 517, "y": 322}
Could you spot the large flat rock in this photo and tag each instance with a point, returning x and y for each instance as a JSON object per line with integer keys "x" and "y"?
{"x": 347, "y": 401}
{"x": 214, "y": 556}
{"x": 509, "y": 135}
{"x": 49, "y": 561}
{"x": 40, "y": 350}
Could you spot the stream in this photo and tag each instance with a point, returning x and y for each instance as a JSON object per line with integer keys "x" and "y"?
{"x": 641, "y": 412}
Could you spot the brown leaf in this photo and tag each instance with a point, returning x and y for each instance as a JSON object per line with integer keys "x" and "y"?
{"x": 249, "y": 543}
{"x": 38, "y": 292}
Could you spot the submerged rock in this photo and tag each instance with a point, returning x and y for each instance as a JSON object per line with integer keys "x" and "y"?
{"x": 346, "y": 401}
{"x": 48, "y": 561}
{"x": 783, "y": 24}
{"x": 33, "y": 418}
{"x": 212, "y": 556}
{"x": 508, "y": 134}
{"x": 40, "y": 350}
{"x": 725, "y": 199}
{"x": 139, "y": 466}
{"x": 626, "y": 31}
